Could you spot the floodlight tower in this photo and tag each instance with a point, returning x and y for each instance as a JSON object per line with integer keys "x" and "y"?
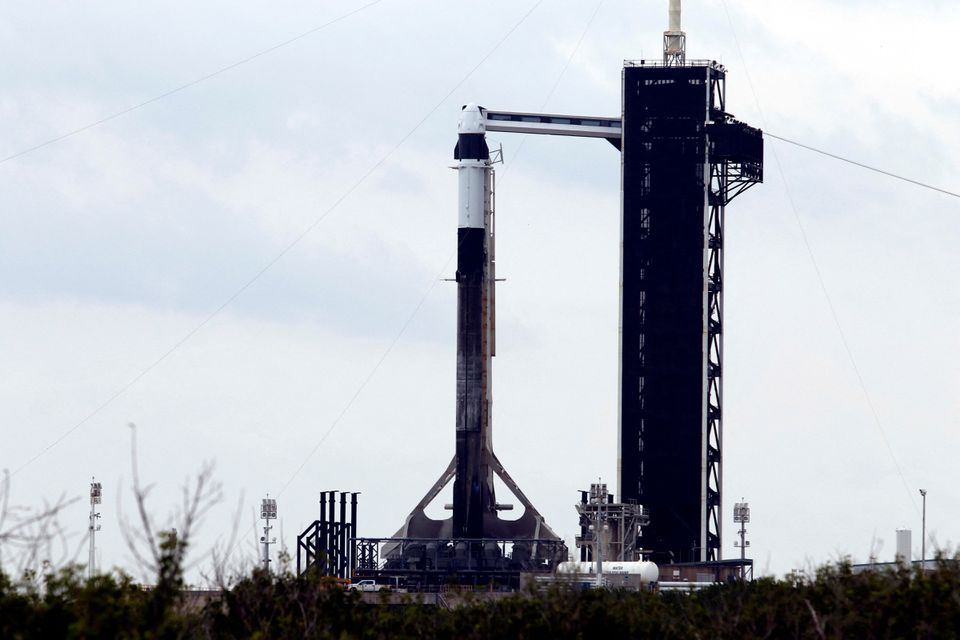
{"x": 94, "y": 526}
{"x": 268, "y": 512}
{"x": 741, "y": 514}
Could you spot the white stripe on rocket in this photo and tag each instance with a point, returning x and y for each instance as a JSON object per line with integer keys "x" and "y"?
{"x": 473, "y": 181}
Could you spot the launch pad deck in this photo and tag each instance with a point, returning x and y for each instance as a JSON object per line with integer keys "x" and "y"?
{"x": 417, "y": 563}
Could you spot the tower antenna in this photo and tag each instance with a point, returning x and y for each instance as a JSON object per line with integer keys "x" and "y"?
{"x": 674, "y": 39}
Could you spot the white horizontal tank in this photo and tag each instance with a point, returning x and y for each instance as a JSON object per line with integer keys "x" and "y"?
{"x": 648, "y": 571}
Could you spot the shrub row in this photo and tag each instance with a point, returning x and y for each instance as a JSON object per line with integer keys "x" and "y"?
{"x": 833, "y": 602}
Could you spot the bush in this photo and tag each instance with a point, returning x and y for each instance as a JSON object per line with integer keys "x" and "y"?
{"x": 833, "y": 602}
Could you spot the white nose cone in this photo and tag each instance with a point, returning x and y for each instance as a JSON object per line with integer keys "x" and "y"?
{"x": 472, "y": 119}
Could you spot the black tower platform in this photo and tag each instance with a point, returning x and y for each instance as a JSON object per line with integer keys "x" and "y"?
{"x": 683, "y": 159}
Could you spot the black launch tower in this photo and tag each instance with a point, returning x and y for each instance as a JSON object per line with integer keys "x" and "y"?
{"x": 683, "y": 159}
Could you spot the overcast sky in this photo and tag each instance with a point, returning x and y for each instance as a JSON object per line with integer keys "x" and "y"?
{"x": 119, "y": 241}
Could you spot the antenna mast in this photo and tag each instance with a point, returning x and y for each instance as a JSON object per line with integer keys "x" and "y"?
{"x": 95, "y": 497}
{"x": 674, "y": 39}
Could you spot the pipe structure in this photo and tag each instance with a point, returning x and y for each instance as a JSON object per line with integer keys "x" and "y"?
{"x": 322, "y": 533}
{"x": 353, "y": 533}
{"x": 342, "y": 534}
{"x": 330, "y": 538}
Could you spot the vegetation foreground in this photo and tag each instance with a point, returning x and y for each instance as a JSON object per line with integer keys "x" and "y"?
{"x": 831, "y": 603}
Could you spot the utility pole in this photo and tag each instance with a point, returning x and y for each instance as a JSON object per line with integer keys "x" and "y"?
{"x": 94, "y": 526}
{"x": 923, "y": 533}
{"x": 268, "y": 512}
{"x": 741, "y": 514}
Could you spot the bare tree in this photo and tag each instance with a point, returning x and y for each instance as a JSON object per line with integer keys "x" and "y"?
{"x": 32, "y": 539}
{"x": 223, "y": 572}
{"x": 157, "y": 550}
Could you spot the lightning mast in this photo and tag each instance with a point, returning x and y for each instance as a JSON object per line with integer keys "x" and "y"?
{"x": 674, "y": 39}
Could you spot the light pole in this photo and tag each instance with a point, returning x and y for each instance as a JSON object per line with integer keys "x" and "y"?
{"x": 94, "y": 526}
{"x": 741, "y": 514}
{"x": 268, "y": 512}
{"x": 923, "y": 532}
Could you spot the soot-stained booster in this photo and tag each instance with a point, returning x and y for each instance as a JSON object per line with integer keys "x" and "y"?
{"x": 472, "y": 470}
{"x": 473, "y": 485}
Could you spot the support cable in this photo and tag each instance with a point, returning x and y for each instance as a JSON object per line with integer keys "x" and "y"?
{"x": 816, "y": 268}
{"x": 303, "y": 234}
{"x": 860, "y": 164}
{"x": 192, "y": 83}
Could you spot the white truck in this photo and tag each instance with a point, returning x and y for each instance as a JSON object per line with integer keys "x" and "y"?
{"x": 367, "y": 585}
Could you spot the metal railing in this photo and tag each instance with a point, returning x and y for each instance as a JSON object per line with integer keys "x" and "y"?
{"x": 660, "y": 63}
